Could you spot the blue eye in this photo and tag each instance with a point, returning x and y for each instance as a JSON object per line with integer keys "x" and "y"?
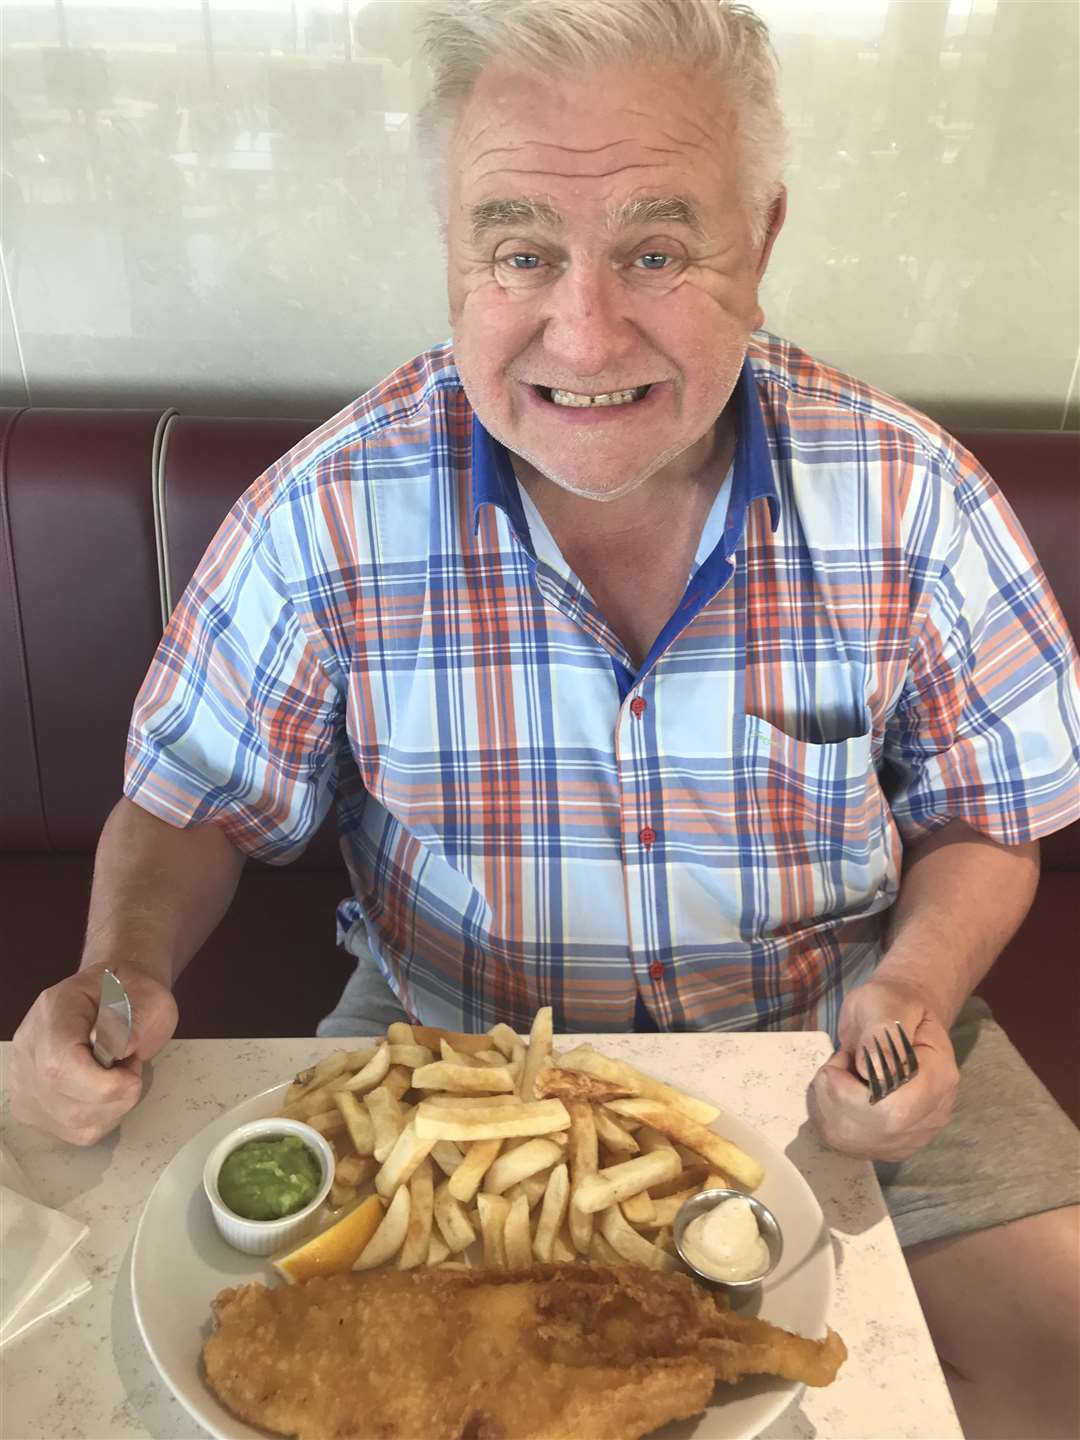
{"x": 523, "y": 261}
{"x": 654, "y": 260}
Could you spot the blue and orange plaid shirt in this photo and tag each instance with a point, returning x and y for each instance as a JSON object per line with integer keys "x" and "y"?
{"x": 866, "y": 648}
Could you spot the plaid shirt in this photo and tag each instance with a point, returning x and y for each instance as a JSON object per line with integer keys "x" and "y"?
{"x": 866, "y": 648}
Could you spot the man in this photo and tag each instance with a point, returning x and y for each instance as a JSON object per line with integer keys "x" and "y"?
{"x": 641, "y": 651}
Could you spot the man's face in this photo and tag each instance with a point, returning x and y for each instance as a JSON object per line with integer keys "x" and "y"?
{"x": 598, "y": 246}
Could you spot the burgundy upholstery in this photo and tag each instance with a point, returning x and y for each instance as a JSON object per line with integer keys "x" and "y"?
{"x": 80, "y": 614}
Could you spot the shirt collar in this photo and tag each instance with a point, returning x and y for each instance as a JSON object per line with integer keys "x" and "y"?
{"x": 494, "y": 483}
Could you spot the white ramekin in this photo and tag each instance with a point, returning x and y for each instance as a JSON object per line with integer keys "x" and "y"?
{"x": 264, "y": 1237}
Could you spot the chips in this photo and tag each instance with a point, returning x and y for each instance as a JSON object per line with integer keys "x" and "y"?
{"x": 487, "y": 1145}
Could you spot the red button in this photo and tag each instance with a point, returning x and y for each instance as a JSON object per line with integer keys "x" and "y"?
{"x": 647, "y": 835}
{"x": 637, "y": 706}
{"x": 656, "y": 970}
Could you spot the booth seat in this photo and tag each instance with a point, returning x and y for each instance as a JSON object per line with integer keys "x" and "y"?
{"x": 103, "y": 517}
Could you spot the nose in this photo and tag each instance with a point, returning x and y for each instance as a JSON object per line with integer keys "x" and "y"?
{"x": 587, "y": 331}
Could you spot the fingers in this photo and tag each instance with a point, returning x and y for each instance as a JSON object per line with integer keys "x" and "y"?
{"x": 901, "y": 1124}
{"x": 55, "y": 1083}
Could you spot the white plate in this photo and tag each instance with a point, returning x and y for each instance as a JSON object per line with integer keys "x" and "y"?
{"x": 180, "y": 1262}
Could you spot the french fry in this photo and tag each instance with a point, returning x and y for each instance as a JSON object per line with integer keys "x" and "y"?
{"x": 650, "y": 1139}
{"x": 638, "y": 1209}
{"x": 355, "y": 1170}
{"x": 341, "y": 1195}
{"x": 493, "y": 1210}
{"x": 517, "y": 1063}
{"x": 447, "y": 1156}
{"x": 490, "y": 1057}
{"x": 538, "y": 1054}
{"x": 601, "y": 1252}
{"x": 519, "y": 1164}
{"x": 553, "y": 1081}
{"x": 612, "y": 1135}
{"x": 387, "y": 1120}
{"x": 476, "y": 1101}
{"x": 400, "y": 1164}
{"x": 389, "y": 1237}
{"x": 430, "y": 1035}
{"x": 398, "y": 1080}
{"x": 721, "y": 1154}
{"x": 458, "y": 1057}
{"x": 357, "y": 1122}
{"x": 453, "y": 1223}
{"x": 562, "y": 1252}
{"x": 329, "y": 1123}
{"x": 611, "y": 1186}
{"x": 503, "y": 1039}
{"x": 414, "y": 1251}
{"x": 315, "y": 1102}
{"x": 438, "y": 1250}
{"x": 533, "y": 1187}
{"x": 447, "y": 1122}
{"x": 411, "y": 1056}
{"x": 516, "y": 1239}
{"x": 628, "y": 1244}
{"x": 327, "y": 1069}
{"x": 372, "y": 1074}
{"x": 618, "y": 1072}
{"x": 465, "y": 1181}
{"x": 583, "y": 1156}
{"x": 463, "y": 1079}
{"x": 552, "y": 1212}
{"x": 400, "y": 1033}
{"x": 690, "y": 1176}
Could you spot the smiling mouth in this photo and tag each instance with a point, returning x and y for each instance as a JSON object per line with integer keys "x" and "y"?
{"x": 575, "y": 401}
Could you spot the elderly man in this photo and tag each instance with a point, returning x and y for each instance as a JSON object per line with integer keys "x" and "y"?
{"x": 661, "y": 673}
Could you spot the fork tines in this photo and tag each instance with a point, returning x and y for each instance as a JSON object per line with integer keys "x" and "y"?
{"x": 894, "y": 1069}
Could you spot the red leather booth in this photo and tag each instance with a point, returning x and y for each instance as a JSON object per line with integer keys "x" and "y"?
{"x": 103, "y": 517}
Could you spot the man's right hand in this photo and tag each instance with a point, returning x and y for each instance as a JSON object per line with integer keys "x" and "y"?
{"x": 54, "y": 1081}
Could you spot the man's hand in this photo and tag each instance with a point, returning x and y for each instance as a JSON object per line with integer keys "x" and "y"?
{"x": 911, "y": 1116}
{"x": 55, "y": 1082}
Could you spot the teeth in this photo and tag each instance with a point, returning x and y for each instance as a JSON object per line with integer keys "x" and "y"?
{"x": 585, "y": 402}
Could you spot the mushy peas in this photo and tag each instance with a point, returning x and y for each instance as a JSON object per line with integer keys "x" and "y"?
{"x": 267, "y": 1179}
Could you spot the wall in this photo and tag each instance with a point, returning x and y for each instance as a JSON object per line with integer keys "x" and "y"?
{"x": 214, "y": 202}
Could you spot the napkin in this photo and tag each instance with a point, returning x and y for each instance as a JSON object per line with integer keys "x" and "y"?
{"x": 38, "y": 1273}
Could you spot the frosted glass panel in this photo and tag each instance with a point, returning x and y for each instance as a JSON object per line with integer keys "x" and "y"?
{"x": 216, "y": 203}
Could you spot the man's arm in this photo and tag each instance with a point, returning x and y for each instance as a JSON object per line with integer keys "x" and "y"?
{"x": 962, "y": 897}
{"x": 158, "y": 892}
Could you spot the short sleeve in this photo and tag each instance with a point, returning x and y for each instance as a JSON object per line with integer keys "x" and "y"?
{"x": 238, "y": 719}
{"x": 986, "y": 729}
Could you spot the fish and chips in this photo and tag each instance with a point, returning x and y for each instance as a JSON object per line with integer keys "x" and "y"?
{"x": 502, "y": 1262}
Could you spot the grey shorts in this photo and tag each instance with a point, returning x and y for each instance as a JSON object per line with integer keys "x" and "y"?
{"x": 1009, "y": 1150}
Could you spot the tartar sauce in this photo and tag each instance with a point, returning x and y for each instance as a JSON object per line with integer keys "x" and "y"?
{"x": 725, "y": 1242}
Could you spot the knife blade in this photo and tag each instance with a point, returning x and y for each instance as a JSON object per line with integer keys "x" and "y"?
{"x": 109, "y": 1037}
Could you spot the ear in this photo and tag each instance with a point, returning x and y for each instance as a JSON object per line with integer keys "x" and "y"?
{"x": 777, "y": 216}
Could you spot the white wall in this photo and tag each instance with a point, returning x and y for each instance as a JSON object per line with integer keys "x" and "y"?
{"x": 213, "y": 203}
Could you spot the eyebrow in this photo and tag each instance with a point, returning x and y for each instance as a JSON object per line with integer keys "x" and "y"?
{"x": 645, "y": 210}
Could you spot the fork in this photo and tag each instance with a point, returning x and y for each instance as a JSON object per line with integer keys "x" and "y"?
{"x": 899, "y": 1072}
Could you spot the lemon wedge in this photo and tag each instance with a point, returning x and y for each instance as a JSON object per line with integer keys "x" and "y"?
{"x": 333, "y": 1250}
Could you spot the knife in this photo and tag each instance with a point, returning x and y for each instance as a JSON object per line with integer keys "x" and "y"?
{"x": 109, "y": 1037}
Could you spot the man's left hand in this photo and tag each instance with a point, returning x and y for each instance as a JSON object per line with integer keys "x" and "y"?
{"x": 911, "y": 1116}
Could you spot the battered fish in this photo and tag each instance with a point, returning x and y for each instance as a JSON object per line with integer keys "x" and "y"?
{"x": 555, "y": 1352}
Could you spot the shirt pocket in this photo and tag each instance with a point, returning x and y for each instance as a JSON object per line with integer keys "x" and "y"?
{"x": 816, "y": 839}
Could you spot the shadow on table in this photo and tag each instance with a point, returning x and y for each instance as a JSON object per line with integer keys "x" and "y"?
{"x": 847, "y": 1189}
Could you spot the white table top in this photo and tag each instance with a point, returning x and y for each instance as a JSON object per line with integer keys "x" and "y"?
{"x": 60, "y": 1380}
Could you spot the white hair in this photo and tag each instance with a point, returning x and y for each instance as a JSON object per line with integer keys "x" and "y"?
{"x": 723, "y": 40}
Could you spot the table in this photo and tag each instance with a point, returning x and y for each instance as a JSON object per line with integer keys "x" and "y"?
{"x": 84, "y": 1374}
